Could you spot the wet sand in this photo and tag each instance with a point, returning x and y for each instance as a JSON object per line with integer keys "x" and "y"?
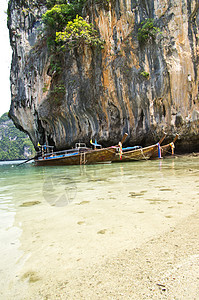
{"x": 126, "y": 237}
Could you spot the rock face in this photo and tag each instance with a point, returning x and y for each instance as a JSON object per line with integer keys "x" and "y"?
{"x": 142, "y": 89}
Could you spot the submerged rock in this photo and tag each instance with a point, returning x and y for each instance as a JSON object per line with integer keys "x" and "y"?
{"x": 30, "y": 203}
{"x": 31, "y": 276}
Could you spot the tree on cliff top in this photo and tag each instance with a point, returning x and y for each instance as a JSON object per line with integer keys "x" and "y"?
{"x": 65, "y": 25}
{"x": 59, "y": 13}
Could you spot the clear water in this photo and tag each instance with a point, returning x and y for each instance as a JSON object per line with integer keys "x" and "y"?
{"x": 80, "y": 214}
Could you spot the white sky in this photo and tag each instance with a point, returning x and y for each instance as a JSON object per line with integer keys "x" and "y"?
{"x": 5, "y": 60}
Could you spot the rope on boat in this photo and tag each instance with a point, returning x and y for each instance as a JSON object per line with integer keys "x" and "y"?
{"x": 82, "y": 158}
{"x": 143, "y": 154}
{"x": 125, "y": 155}
{"x": 167, "y": 152}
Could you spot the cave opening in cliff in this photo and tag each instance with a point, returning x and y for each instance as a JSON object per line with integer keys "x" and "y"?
{"x": 51, "y": 141}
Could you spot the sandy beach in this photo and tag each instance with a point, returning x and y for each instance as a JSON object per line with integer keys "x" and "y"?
{"x": 166, "y": 266}
{"x": 133, "y": 235}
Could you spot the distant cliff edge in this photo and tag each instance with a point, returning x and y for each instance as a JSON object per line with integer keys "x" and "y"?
{"x": 121, "y": 66}
{"x": 13, "y": 143}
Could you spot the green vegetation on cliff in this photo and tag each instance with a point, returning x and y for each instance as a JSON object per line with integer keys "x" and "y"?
{"x": 65, "y": 25}
{"x": 59, "y": 13}
{"x": 65, "y": 30}
{"x": 14, "y": 144}
{"x": 147, "y": 31}
{"x": 77, "y": 32}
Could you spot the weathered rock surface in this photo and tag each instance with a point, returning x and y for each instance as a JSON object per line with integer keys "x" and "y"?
{"x": 106, "y": 95}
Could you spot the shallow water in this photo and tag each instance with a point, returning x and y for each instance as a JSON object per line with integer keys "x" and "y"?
{"x": 58, "y": 219}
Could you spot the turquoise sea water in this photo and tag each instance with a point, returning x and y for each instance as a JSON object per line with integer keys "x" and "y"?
{"x": 39, "y": 205}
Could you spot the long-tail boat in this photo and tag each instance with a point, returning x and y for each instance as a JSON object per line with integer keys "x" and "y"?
{"x": 80, "y": 155}
{"x": 165, "y": 149}
{"x": 137, "y": 152}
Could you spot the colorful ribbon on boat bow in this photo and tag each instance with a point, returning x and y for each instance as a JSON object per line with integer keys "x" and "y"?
{"x": 159, "y": 151}
{"x": 120, "y": 149}
{"x": 172, "y": 148}
{"x": 95, "y": 143}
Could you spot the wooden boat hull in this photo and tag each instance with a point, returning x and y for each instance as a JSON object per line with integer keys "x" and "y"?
{"x": 138, "y": 154}
{"x": 166, "y": 149}
{"x": 85, "y": 158}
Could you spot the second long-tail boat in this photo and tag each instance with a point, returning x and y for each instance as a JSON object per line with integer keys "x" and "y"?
{"x": 137, "y": 152}
{"x": 165, "y": 149}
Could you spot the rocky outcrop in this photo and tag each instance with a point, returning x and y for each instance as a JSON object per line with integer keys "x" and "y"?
{"x": 143, "y": 89}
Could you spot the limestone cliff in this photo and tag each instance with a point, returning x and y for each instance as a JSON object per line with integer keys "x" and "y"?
{"x": 125, "y": 87}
